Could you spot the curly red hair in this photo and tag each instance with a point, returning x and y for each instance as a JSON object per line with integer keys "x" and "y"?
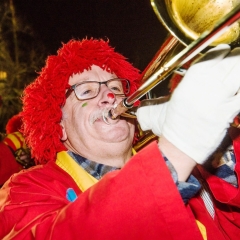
{"x": 14, "y": 124}
{"x": 42, "y": 99}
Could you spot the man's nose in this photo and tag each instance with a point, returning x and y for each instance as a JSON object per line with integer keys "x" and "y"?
{"x": 107, "y": 97}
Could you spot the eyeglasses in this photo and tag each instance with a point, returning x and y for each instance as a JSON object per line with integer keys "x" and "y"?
{"x": 90, "y": 89}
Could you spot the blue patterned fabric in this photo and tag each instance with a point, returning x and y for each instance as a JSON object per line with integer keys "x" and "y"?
{"x": 186, "y": 189}
{"x": 95, "y": 169}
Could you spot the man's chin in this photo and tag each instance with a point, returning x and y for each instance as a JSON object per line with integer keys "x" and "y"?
{"x": 118, "y": 127}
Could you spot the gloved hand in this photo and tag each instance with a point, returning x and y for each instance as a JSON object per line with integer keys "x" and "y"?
{"x": 151, "y": 114}
{"x": 204, "y": 103}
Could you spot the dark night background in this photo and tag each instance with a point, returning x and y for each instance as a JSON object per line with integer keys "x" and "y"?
{"x": 131, "y": 25}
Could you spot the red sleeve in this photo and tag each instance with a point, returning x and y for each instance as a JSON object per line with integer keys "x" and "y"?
{"x": 140, "y": 201}
{"x": 8, "y": 164}
{"x": 222, "y": 190}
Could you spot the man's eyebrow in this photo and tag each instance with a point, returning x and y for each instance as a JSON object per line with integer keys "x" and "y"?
{"x": 84, "y": 78}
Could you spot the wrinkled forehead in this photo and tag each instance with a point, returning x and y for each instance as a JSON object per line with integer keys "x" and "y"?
{"x": 94, "y": 74}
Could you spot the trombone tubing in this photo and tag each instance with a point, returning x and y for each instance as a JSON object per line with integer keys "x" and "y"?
{"x": 185, "y": 55}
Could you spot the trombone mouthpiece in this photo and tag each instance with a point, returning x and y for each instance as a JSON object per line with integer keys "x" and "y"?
{"x": 118, "y": 110}
{"x": 110, "y": 114}
{"x": 113, "y": 114}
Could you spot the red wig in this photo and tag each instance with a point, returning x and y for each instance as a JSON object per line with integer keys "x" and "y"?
{"x": 42, "y": 99}
{"x": 14, "y": 124}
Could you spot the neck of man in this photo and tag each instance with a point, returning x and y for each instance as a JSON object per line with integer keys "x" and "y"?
{"x": 114, "y": 154}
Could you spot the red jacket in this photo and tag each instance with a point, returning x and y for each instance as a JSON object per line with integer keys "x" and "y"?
{"x": 226, "y": 200}
{"x": 140, "y": 201}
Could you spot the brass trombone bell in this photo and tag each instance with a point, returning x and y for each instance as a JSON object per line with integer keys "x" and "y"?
{"x": 188, "y": 19}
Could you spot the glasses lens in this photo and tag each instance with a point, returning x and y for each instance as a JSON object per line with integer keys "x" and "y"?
{"x": 87, "y": 90}
{"x": 118, "y": 86}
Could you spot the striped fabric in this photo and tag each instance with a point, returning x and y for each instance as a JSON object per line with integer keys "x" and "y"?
{"x": 15, "y": 141}
{"x": 207, "y": 201}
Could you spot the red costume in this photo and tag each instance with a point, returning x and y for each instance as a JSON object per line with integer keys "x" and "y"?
{"x": 117, "y": 207}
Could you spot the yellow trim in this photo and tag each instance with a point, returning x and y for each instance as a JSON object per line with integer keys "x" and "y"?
{"x": 134, "y": 151}
{"x": 83, "y": 179}
{"x": 202, "y": 229}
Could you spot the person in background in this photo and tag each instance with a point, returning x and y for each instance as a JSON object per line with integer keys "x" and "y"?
{"x": 14, "y": 154}
{"x": 87, "y": 184}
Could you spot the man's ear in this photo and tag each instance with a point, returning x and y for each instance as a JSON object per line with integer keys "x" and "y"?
{"x": 64, "y": 134}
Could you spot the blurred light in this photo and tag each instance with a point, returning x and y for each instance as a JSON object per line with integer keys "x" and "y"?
{"x": 3, "y": 75}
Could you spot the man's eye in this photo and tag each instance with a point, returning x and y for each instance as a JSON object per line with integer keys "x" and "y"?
{"x": 86, "y": 92}
{"x": 116, "y": 89}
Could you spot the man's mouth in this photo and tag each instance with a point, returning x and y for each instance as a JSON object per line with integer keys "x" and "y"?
{"x": 103, "y": 115}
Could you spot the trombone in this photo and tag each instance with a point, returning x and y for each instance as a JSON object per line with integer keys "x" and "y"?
{"x": 225, "y": 30}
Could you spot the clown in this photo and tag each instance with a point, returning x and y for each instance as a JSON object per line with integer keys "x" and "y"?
{"x": 86, "y": 183}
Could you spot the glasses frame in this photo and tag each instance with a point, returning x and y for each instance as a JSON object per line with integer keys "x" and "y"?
{"x": 73, "y": 87}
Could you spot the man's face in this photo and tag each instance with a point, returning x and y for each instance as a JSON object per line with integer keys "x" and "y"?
{"x": 83, "y": 127}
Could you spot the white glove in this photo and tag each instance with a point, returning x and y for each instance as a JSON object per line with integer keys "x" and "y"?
{"x": 151, "y": 114}
{"x": 204, "y": 103}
